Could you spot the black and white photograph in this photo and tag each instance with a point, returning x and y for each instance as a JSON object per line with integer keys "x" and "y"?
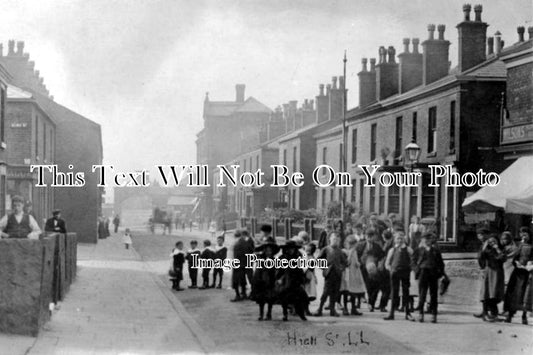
{"x": 266, "y": 177}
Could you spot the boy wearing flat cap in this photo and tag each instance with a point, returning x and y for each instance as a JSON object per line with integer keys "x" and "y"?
{"x": 55, "y": 224}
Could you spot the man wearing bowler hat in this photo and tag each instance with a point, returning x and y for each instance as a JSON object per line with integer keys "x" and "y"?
{"x": 18, "y": 224}
{"x": 55, "y": 224}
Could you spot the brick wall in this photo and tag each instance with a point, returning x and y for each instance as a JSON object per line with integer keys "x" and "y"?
{"x": 519, "y": 93}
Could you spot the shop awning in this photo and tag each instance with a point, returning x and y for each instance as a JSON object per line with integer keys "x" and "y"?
{"x": 514, "y": 193}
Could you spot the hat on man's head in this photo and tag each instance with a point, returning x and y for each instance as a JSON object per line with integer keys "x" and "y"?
{"x": 17, "y": 198}
{"x": 267, "y": 228}
{"x": 56, "y": 211}
{"x": 483, "y": 231}
{"x": 269, "y": 242}
{"x": 289, "y": 244}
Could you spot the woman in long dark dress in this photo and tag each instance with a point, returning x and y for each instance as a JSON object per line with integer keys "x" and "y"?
{"x": 290, "y": 283}
{"x": 518, "y": 282}
{"x": 491, "y": 259}
{"x": 264, "y": 279}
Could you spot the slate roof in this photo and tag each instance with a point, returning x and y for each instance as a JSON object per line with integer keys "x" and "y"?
{"x": 14, "y": 92}
{"x": 227, "y": 108}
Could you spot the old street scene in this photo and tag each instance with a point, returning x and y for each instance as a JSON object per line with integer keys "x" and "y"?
{"x": 266, "y": 177}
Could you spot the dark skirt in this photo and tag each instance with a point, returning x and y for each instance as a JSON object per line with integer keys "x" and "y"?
{"x": 528, "y": 294}
{"x": 516, "y": 288}
{"x": 492, "y": 284}
{"x": 263, "y": 286}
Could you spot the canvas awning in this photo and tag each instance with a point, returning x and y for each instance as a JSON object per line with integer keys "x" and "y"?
{"x": 514, "y": 193}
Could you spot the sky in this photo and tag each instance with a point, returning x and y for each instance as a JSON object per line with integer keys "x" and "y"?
{"x": 141, "y": 68}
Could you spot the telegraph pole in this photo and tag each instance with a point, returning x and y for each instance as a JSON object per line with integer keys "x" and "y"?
{"x": 344, "y": 167}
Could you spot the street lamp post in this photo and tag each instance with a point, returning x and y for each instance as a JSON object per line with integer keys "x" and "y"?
{"x": 344, "y": 161}
{"x": 412, "y": 153}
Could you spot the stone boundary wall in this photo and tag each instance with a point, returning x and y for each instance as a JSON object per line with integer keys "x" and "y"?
{"x": 33, "y": 274}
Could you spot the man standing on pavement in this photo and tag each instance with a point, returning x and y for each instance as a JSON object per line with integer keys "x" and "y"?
{"x": 238, "y": 279}
{"x": 249, "y": 249}
{"x": 116, "y": 222}
{"x": 19, "y": 224}
{"x": 55, "y": 224}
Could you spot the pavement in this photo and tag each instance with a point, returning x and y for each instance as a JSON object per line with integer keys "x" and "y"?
{"x": 122, "y": 303}
{"x": 115, "y": 306}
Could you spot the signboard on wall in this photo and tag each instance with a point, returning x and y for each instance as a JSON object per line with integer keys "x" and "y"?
{"x": 516, "y": 134}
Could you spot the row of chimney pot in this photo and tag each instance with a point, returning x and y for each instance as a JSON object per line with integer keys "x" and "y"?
{"x": 386, "y": 79}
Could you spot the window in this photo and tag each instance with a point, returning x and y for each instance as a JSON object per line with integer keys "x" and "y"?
{"x": 432, "y": 129}
{"x": 394, "y": 199}
{"x": 381, "y": 199}
{"x": 373, "y": 137}
{"x": 244, "y": 165}
{"x": 251, "y": 167}
{"x": 44, "y": 143}
{"x": 452, "y": 125}
{"x": 341, "y": 156}
{"x": 428, "y": 197}
{"x": 372, "y": 197}
{"x": 285, "y": 157}
{"x": 36, "y": 136}
{"x": 323, "y": 198}
{"x": 399, "y": 133}
{"x": 324, "y": 158}
{"x": 354, "y": 146}
{"x": 331, "y": 194}
{"x": 413, "y": 133}
{"x": 361, "y": 196}
{"x": 51, "y": 146}
{"x": 2, "y": 113}
{"x": 354, "y": 193}
{"x": 294, "y": 159}
{"x": 257, "y": 162}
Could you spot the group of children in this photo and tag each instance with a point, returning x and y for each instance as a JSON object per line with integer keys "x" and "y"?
{"x": 375, "y": 258}
{"x": 178, "y": 258}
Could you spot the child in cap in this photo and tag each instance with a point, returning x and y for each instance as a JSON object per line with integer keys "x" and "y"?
{"x": 193, "y": 272}
{"x": 176, "y": 270}
{"x": 221, "y": 252}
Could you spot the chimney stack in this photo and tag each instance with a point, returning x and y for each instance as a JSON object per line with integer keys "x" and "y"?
{"x": 498, "y": 37}
{"x": 20, "y": 48}
{"x": 386, "y": 74}
{"x": 435, "y": 58}
{"x": 472, "y": 39}
{"x": 367, "y": 83}
{"x": 530, "y": 32}
{"x": 1, "y": 50}
{"x": 416, "y": 41}
{"x": 239, "y": 91}
{"x": 410, "y": 67}
{"x": 372, "y": 64}
{"x": 477, "y": 10}
{"x": 466, "y": 10}
{"x": 490, "y": 46}
{"x": 520, "y": 30}
{"x": 322, "y": 105}
{"x": 336, "y": 98}
{"x": 11, "y": 47}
